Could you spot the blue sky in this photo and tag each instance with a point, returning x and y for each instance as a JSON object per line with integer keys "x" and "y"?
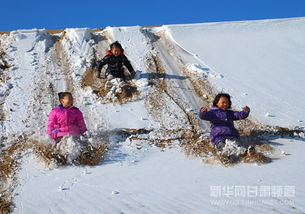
{"x": 60, "y": 14}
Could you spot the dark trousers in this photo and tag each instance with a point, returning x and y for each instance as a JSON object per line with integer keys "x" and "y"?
{"x": 116, "y": 74}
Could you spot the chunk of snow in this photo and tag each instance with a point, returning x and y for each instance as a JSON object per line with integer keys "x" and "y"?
{"x": 269, "y": 115}
{"x": 115, "y": 192}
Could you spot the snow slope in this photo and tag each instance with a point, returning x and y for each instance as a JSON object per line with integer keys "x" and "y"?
{"x": 259, "y": 62}
{"x": 250, "y": 60}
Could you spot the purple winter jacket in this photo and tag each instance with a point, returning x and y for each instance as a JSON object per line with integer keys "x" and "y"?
{"x": 222, "y": 123}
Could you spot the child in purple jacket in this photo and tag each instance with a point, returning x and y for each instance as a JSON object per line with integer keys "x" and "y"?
{"x": 222, "y": 120}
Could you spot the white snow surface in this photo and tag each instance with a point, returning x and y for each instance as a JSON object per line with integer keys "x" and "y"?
{"x": 260, "y": 63}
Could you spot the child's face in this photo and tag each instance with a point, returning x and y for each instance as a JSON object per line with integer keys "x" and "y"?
{"x": 223, "y": 103}
{"x": 116, "y": 51}
{"x": 67, "y": 101}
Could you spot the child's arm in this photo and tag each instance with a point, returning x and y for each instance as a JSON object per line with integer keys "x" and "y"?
{"x": 204, "y": 114}
{"x": 81, "y": 123}
{"x": 100, "y": 65}
{"x": 51, "y": 130}
{"x": 127, "y": 63}
{"x": 239, "y": 115}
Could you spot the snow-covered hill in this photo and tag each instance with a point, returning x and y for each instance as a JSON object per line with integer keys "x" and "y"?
{"x": 180, "y": 68}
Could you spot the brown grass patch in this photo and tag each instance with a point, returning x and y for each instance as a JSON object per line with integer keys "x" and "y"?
{"x": 91, "y": 155}
{"x": 128, "y": 91}
{"x": 88, "y": 78}
{"x": 5, "y": 205}
{"x": 265, "y": 148}
{"x": 258, "y": 157}
{"x": 4, "y": 65}
{"x": 8, "y": 164}
{"x": 62, "y": 60}
{"x": 198, "y": 147}
{"x": 8, "y": 167}
{"x": 5, "y": 32}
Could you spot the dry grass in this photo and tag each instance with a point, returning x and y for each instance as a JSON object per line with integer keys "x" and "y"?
{"x": 8, "y": 164}
{"x": 128, "y": 92}
{"x": 90, "y": 154}
{"x": 88, "y": 78}
{"x": 63, "y": 61}
{"x": 5, "y": 32}
{"x": 56, "y": 31}
{"x": 4, "y": 65}
{"x": 265, "y": 148}
{"x": 5, "y": 205}
{"x": 199, "y": 148}
{"x": 258, "y": 157}
{"x": 203, "y": 148}
{"x": 8, "y": 167}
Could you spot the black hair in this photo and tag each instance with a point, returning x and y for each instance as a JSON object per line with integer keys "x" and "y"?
{"x": 218, "y": 96}
{"x": 117, "y": 45}
{"x": 61, "y": 95}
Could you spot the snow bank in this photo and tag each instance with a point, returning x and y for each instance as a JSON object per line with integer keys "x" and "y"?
{"x": 261, "y": 63}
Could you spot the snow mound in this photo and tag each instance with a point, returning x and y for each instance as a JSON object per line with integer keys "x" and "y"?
{"x": 70, "y": 148}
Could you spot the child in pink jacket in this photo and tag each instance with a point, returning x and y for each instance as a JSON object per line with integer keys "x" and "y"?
{"x": 65, "y": 119}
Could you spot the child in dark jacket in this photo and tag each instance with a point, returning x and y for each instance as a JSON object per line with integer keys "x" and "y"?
{"x": 115, "y": 59}
{"x": 222, "y": 120}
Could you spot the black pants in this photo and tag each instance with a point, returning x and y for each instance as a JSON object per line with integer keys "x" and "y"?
{"x": 116, "y": 74}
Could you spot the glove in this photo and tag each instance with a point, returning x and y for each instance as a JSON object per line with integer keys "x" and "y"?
{"x": 54, "y": 133}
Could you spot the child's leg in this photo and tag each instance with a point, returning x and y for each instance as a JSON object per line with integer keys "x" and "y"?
{"x": 58, "y": 139}
{"x": 232, "y": 147}
{"x": 119, "y": 74}
{"x": 220, "y": 145}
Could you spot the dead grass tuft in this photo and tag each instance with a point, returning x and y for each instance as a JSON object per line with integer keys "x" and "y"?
{"x": 8, "y": 166}
{"x": 88, "y": 78}
{"x": 128, "y": 92}
{"x": 265, "y": 148}
{"x": 5, "y": 205}
{"x": 90, "y": 155}
{"x": 199, "y": 147}
{"x": 8, "y": 163}
{"x": 258, "y": 157}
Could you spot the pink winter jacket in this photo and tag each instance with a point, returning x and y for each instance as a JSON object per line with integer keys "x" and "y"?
{"x": 66, "y": 121}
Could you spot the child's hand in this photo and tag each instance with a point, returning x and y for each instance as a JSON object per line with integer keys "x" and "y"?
{"x": 203, "y": 109}
{"x": 98, "y": 75}
{"x": 54, "y": 133}
{"x": 246, "y": 108}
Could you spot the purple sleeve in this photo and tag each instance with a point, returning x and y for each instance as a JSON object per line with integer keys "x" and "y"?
{"x": 239, "y": 115}
{"x": 207, "y": 115}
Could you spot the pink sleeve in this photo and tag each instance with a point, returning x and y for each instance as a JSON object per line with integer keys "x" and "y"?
{"x": 51, "y": 122}
{"x": 81, "y": 122}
